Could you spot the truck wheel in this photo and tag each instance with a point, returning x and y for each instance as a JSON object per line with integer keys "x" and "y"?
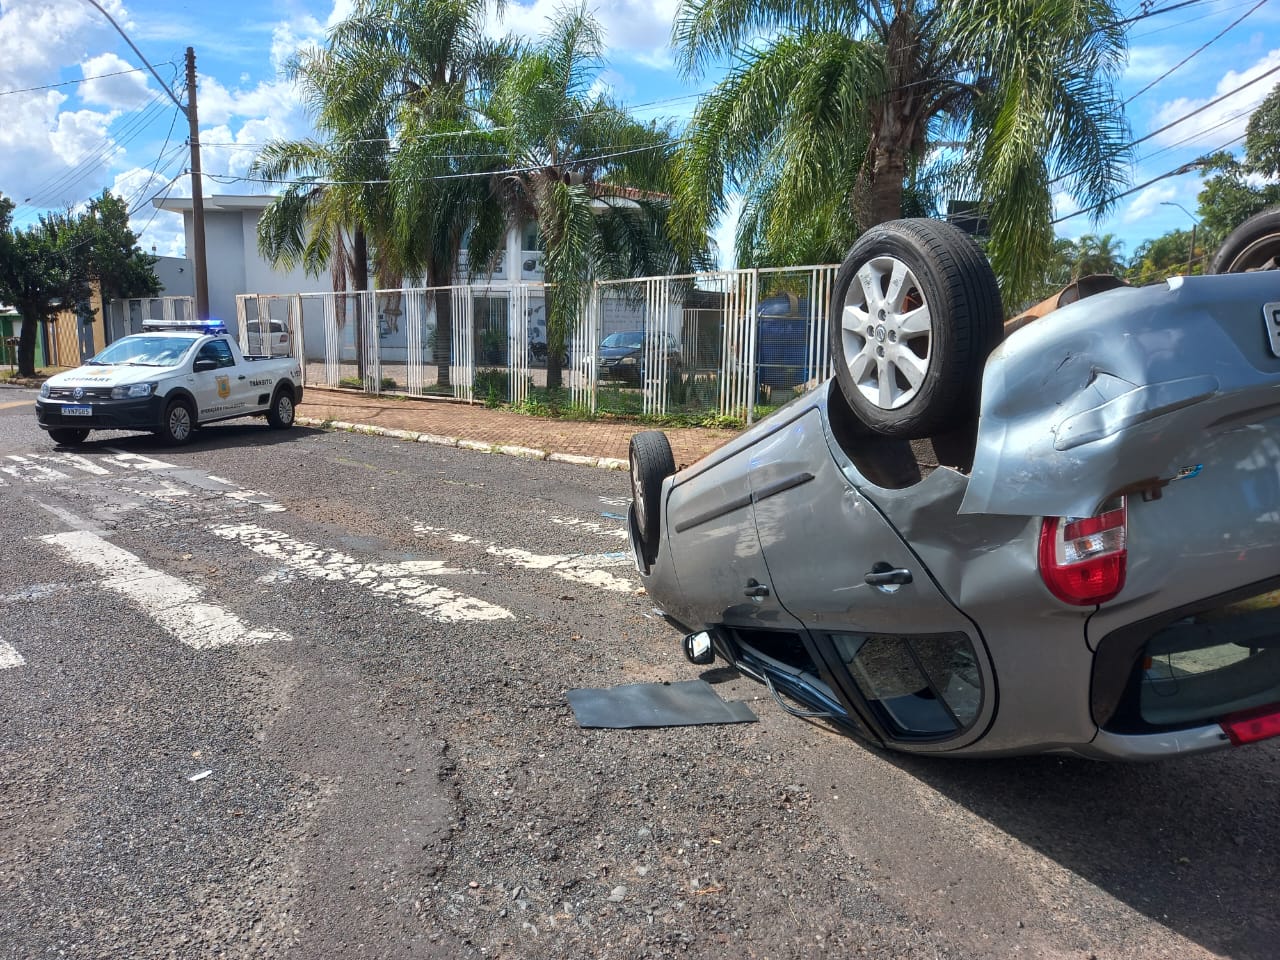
{"x": 1254, "y": 245}
{"x": 281, "y": 413}
{"x": 914, "y": 313}
{"x": 70, "y": 436}
{"x": 651, "y": 463}
{"x": 178, "y": 422}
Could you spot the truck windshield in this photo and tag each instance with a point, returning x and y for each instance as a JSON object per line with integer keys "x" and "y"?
{"x": 166, "y": 351}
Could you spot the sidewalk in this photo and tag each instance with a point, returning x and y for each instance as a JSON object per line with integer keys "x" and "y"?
{"x": 478, "y": 425}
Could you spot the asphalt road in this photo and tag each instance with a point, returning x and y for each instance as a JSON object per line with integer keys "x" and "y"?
{"x": 303, "y": 694}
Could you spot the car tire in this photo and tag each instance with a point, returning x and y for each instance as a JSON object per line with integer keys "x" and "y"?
{"x": 909, "y": 357}
{"x": 281, "y": 413}
{"x": 178, "y": 423}
{"x": 68, "y": 436}
{"x": 1254, "y": 245}
{"x": 651, "y": 463}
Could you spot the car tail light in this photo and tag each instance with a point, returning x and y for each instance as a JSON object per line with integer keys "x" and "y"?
{"x": 1082, "y": 559}
{"x": 1250, "y": 726}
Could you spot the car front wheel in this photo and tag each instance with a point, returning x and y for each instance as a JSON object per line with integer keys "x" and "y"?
{"x": 651, "y": 463}
{"x": 914, "y": 313}
{"x": 178, "y": 423}
{"x": 69, "y": 436}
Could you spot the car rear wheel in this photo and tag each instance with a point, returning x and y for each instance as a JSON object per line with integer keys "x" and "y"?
{"x": 651, "y": 463}
{"x": 178, "y": 423}
{"x": 281, "y": 413}
{"x": 70, "y": 436}
{"x": 914, "y": 313}
{"x": 1254, "y": 245}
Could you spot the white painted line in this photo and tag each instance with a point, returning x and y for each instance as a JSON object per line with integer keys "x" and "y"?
{"x": 9, "y": 657}
{"x": 174, "y": 604}
{"x": 614, "y": 501}
{"x": 245, "y": 495}
{"x": 400, "y": 581}
{"x": 31, "y": 472}
{"x": 588, "y": 569}
{"x": 135, "y": 461}
{"x": 76, "y": 461}
{"x": 590, "y": 526}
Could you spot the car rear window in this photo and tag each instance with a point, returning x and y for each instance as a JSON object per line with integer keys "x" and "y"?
{"x": 1190, "y": 668}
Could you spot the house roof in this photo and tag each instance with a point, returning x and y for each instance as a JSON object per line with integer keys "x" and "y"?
{"x": 227, "y": 202}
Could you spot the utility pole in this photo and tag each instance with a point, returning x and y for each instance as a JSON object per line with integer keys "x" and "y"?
{"x": 197, "y": 195}
{"x": 197, "y": 198}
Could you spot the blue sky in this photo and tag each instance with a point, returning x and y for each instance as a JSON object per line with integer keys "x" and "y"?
{"x": 62, "y": 144}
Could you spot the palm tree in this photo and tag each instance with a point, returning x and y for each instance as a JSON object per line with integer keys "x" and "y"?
{"x": 594, "y": 180}
{"x": 1098, "y": 254}
{"x": 392, "y": 90}
{"x": 855, "y": 102}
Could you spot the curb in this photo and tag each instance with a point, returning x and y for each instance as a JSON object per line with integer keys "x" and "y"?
{"x": 504, "y": 449}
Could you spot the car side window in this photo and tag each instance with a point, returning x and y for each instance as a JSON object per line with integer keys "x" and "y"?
{"x": 218, "y": 351}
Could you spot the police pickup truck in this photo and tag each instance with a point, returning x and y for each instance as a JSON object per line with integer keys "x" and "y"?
{"x": 169, "y": 379}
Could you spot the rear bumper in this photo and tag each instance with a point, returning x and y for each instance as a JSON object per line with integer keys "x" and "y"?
{"x": 141, "y": 414}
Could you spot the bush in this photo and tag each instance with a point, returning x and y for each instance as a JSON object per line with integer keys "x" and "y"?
{"x": 492, "y": 386}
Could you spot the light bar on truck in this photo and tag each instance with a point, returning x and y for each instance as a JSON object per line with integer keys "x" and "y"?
{"x": 211, "y": 327}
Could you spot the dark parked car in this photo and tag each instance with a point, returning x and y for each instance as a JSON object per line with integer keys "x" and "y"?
{"x": 1065, "y": 541}
{"x": 626, "y": 356}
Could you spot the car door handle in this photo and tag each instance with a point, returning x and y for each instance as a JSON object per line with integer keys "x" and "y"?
{"x": 883, "y": 575}
{"x": 755, "y": 589}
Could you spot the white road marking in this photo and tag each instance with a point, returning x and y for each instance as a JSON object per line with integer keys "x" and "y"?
{"x": 135, "y": 461}
{"x": 174, "y": 604}
{"x": 31, "y": 472}
{"x": 400, "y": 581}
{"x": 9, "y": 657}
{"x": 76, "y": 461}
{"x": 249, "y": 496}
{"x": 615, "y": 501}
{"x": 584, "y": 568}
{"x": 589, "y": 526}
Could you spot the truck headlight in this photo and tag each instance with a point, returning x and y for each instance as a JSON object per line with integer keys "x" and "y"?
{"x": 44, "y": 389}
{"x": 629, "y": 361}
{"x": 131, "y": 390}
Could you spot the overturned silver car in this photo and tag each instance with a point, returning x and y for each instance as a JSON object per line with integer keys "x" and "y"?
{"x": 1066, "y": 539}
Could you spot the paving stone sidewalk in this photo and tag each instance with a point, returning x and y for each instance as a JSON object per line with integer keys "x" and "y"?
{"x": 476, "y": 424}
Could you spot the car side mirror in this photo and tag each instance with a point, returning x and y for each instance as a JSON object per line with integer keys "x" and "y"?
{"x": 203, "y": 364}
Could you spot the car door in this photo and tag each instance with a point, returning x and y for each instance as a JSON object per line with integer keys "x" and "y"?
{"x": 220, "y": 392}
{"x": 898, "y": 646}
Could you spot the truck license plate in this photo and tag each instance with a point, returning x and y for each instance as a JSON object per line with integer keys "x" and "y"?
{"x": 77, "y": 410}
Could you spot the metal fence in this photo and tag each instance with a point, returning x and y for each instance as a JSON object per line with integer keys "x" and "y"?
{"x": 123, "y": 317}
{"x": 735, "y": 343}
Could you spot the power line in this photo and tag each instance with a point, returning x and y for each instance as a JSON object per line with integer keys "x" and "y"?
{"x": 163, "y": 147}
{"x": 67, "y": 83}
{"x": 319, "y": 182}
{"x": 1177, "y": 171}
{"x": 1195, "y": 53}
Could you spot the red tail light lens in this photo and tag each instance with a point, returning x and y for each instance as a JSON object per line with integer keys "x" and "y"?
{"x": 1250, "y": 726}
{"x": 1082, "y": 559}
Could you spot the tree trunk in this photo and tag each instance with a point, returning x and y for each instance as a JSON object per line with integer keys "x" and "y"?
{"x": 27, "y": 342}
{"x": 895, "y": 131}
{"x": 360, "y": 279}
{"x": 444, "y": 335}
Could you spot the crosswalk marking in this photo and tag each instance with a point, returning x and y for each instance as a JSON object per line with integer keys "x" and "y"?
{"x": 174, "y": 604}
{"x": 136, "y": 461}
{"x": 30, "y": 471}
{"x": 401, "y": 581}
{"x": 83, "y": 464}
{"x": 585, "y": 568}
{"x": 9, "y": 657}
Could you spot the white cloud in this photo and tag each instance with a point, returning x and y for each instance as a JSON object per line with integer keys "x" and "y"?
{"x": 1147, "y": 63}
{"x": 638, "y": 30}
{"x": 127, "y": 91}
{"x": 1225, "y": 121}
{"x": 1147, "y": 203}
